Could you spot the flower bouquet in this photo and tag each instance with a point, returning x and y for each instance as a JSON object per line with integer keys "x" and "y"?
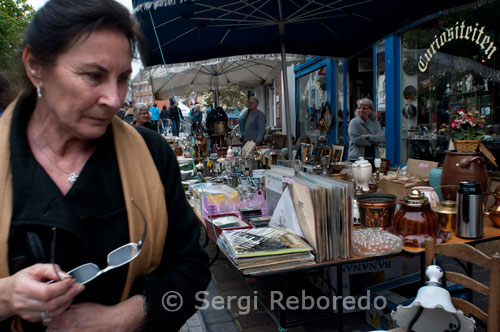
{"x": 466, "y": 129}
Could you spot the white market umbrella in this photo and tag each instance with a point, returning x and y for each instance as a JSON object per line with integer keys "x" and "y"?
{"x": 247, "y": 71}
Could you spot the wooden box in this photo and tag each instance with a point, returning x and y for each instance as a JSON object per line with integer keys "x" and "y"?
{"x": 419, "y": 169}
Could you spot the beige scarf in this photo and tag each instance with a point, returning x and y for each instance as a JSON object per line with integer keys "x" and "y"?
{"x": 140, "y": 180}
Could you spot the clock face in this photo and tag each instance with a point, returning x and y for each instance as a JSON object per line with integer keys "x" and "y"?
{"x": 410, "y": 66}
{"x": 410, "y": 92}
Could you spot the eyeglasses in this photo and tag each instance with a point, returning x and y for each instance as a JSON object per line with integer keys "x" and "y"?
{"x": 116, "y": 258}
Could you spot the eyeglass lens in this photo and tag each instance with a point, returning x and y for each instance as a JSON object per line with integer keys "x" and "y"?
{"x": 116, "y": 258}
{"x": 122, "y": 255}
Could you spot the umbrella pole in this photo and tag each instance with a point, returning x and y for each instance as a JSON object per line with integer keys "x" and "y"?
{"x": 287, "y": 98}
{"x": 216, "y": 91}
{"x": 281, "y": 27}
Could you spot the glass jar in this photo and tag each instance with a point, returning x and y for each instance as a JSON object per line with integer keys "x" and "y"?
{"x": 415, "y": 218}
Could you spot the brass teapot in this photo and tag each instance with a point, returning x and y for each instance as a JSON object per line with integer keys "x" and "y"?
{"x": 494, "y": 211}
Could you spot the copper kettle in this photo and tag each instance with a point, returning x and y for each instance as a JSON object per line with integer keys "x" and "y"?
{"x": 494, "y": 211}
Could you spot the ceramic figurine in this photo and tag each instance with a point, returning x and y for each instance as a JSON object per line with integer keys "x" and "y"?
{"x": 362, "y": 173}
{"x": 468, "y": 83}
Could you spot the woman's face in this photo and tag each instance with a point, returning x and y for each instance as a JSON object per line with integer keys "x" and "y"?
{"x": 364, "y": 112}
{"x": 142, "y": 117}
{"x": 87, "y": 84}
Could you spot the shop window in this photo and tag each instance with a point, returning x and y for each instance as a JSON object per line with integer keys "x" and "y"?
{"x": 340, "y": 103}
{"x": 312, "y": 98}
{"x": 448, "y": 63}
{"x": 380, "y": 105}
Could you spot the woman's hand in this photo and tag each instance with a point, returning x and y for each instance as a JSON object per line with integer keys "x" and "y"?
{"x": 27, "y": 293}
{"x": 123, "y": 317}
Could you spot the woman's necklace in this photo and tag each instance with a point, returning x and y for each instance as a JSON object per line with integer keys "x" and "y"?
{"x": 72, "y": 177}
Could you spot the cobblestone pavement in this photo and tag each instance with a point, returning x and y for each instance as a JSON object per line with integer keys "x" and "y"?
{"x": 194, "y": 324}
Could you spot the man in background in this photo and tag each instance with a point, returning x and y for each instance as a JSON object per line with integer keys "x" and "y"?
{"x": 255, "y": 126}
{"x": 155, "y": 115}
{"x": 175, "y": 116}
{"x": 164, "y": 119}
{"x": 197, "y": 117}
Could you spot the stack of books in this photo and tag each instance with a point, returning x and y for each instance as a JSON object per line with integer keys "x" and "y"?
{"x": 265, "y": 249}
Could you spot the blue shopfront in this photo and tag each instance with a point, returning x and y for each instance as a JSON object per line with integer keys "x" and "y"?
{"x": 418, "y": 78}
{"x": 334, "y": 85}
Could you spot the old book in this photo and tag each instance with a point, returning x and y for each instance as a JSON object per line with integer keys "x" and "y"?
{"x": 264, "y": 241}
{"x": 279, "y": 265}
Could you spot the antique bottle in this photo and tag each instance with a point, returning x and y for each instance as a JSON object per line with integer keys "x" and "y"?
{"x": 415, "y": 218}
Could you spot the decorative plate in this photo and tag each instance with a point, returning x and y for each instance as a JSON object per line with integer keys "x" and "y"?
{"x": 410, "y": 66}
{"x": 410, "y": 92}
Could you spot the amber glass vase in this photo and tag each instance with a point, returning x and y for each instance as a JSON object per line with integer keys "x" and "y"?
{"x": 415, "y": 217}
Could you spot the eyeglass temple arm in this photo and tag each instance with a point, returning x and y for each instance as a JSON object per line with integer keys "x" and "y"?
{"x": 139, "y": 244}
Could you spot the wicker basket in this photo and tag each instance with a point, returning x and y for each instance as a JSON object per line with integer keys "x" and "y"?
{"x": 466, "y": 145}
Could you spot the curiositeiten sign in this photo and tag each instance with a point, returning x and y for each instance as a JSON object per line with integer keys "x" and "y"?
{"x": 473, "y": 32}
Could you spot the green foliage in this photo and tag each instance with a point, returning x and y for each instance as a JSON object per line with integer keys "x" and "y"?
{"x": 229, "y": 98}
{"x": 14, "y": 18}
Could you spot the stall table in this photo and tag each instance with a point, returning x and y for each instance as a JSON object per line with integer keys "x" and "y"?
{"x": 490, "y": 233}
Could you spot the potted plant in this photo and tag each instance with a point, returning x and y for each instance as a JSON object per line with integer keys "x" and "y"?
{"x": 466, "y": 129}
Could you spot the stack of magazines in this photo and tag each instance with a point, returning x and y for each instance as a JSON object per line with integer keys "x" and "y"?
{"x": 265, "y": 249}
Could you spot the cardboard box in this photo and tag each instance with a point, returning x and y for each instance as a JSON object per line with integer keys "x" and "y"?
{"x": 399, "y": 291}
{"x": 415, "y": 168}
{"x": 357, "y": 276}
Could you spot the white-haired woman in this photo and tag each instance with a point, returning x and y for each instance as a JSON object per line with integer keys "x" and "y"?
{"x": 365, "y": 133}
{"x": 142, "y": 115}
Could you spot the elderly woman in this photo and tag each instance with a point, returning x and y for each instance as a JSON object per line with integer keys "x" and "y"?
{"x": 142, "y": 115}
{"x": 110, "y": 192}
{"x": 365, "y": 133}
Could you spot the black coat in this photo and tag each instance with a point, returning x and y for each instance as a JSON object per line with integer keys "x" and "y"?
{"x": 174, "y": 113}
{"x": 91, "y": 220}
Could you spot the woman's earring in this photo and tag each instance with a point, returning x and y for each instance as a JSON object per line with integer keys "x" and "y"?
{"x": 38, "y": 91}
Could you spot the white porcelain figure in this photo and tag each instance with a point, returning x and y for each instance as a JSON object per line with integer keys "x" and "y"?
{"x": 438, "y": 313}
{"x": 356, "y": 218}
{"x": 362, "y": 173}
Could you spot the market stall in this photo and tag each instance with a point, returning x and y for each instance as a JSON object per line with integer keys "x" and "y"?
{"x": 339, "y": 213}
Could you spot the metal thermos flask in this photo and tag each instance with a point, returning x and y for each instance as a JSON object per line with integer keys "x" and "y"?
{"x": 469, "y": 210}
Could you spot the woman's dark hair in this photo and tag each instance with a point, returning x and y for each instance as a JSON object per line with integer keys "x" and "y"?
{"x": 59, "y": 24}
{"x": 7, "y": 94}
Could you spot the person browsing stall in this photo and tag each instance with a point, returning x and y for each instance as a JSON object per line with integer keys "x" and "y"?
{"x": 164, "y": 119}
{"x": 365, "y": 133}
{"x": 255, "y": 126}
{"x": 95, "y": 226}
{"x": 141, "y": 115}
{"x": 175, "y": 116}
{"x": 155, "y": 115}
{"x": 197, "y": 117}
